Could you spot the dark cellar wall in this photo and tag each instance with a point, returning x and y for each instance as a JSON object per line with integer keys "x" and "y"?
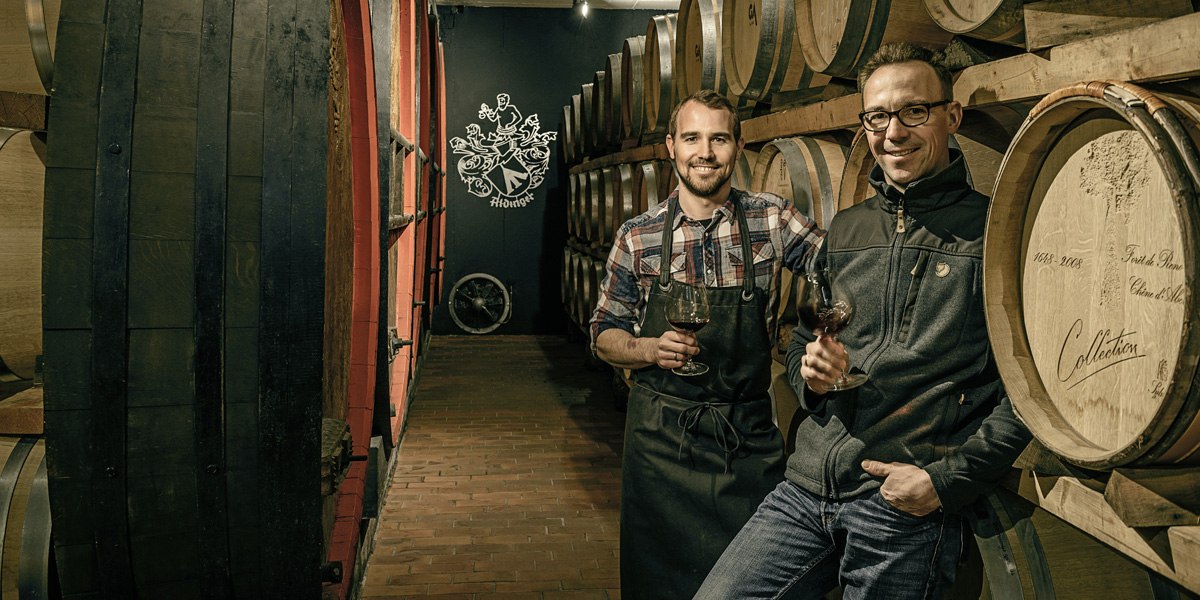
{"x": 539, "y": 57}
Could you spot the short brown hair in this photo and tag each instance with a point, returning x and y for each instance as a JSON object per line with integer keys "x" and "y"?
{"x": 712, "y": 100}
{"x": 902, "y": 52}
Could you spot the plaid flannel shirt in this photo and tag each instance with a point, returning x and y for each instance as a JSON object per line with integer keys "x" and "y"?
{"x": 780, "y": 236}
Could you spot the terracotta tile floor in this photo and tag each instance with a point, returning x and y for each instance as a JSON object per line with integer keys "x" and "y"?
{"x": 508, "y": 480}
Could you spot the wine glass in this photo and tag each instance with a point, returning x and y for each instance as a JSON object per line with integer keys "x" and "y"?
{"x": 824, "y": 305}
{"x": 689, "y": 312}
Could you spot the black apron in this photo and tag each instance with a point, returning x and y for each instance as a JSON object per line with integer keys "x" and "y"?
{"x": 700, "y": 452}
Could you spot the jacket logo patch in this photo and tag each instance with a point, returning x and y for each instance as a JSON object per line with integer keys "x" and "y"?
{"x": 942, "y": 269}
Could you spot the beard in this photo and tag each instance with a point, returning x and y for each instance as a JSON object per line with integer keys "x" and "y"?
{"x": 699, "y": 187}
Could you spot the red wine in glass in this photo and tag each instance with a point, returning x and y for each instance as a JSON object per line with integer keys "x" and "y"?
{"x": 823, "y": 306}
{"x": 688, "y": 311}
{"x": 692, "y": 325}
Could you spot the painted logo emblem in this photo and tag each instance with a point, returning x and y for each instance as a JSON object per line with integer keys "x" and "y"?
{"x": 508, "y": 163}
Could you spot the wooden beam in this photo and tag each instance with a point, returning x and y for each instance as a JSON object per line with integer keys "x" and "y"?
{"x": 1054, "y": 22}
{"x": 633, "y": 155}
{"x": 1157, "y": 52}
{"x": 1172, "y": 552}
{"x": 1155, "y": 497}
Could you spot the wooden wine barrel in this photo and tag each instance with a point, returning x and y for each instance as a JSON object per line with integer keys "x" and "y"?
{"x": 984, "y": 137}
{"x": 599, "y": 125}
{"x": 25, "y": 569}
{"x": 28, "y": 31}
{"x": 573, "y": 183}
{"x": 839, "y": 36}
{"x": 22, "y": 174}
{"x": 586, "y": 133}
{"x": 1090, "y": 255}
{"x": 603, "y": 196}
{"x": 760, "y": 51}
{"x": 650, "y": 181}
{"x": 583, "y": 290}
{"x": 614, "y": 99}
{"x": 595, "y": 206}
{"x": 1029, "y": 553}
{"x": 185, "y": 248}
{"x": 805, "y": 170}
{"x": 567, "y": 278}
{"x": 658, "y": 67}
{"x": 567, "y": 139}
{"x": 633, "y": 80}
{"x": 597, "y": 278}
{"x": 624, "y": 199}
{"x": 698, "y": 62}
{"x": 1000, "y": 21}
{"x": 743, "y": 171}
{"x": 577, "y": 121}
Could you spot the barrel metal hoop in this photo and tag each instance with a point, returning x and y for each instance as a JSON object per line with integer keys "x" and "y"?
{"x": 211, "y": 193}
{"x": 33, "y": 566}
{"x": 7, "y": 133}
{"x": 39, "y": 42}
{"x": 8, "y": 481}
{"x": 110, "y": 297}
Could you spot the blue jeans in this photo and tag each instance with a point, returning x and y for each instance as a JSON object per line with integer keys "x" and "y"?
{"x": 798, "y": 545}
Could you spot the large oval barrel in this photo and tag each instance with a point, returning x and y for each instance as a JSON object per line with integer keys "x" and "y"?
{"x": 658, "y": 68}
{"x": 189, "y": 379}
{"x": 633, "y": 80}
{"x": 698, "y": 62}
{"x": 839, "y": 36}
{"x": 22, "y": 172}
{"x": 1000, "y": 21}
{"x": 28, "y": 31}
{"x": 613, "y": 99}
{"x": 1088, "y": 273}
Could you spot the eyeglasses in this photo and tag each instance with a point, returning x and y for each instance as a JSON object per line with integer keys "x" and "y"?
{"x": 910, "y": 116}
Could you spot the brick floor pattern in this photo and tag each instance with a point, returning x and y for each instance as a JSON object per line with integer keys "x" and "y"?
{"x": 507, "y": 485}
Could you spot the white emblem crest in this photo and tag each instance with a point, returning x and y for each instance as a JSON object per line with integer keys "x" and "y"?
{"x": 510, "y": 162}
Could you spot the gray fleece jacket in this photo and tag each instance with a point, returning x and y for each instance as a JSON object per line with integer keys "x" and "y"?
{"x": 934, "y": 398}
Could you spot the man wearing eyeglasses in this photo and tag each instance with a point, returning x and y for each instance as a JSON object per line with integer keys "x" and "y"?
{"x": 881, "y": 473}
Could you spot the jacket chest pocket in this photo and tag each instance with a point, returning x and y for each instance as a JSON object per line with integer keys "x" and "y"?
{"x": 943, "y": 298}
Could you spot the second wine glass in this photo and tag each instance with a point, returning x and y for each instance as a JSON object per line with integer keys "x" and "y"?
{"x": 688, "y": 311}
{"x": 827, "y": 307}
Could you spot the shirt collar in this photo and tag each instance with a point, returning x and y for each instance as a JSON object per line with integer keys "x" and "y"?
{"x": 927, "y": 190}
{"x": 724, "y": 211}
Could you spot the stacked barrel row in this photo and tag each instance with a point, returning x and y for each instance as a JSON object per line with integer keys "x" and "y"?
{"x": 599, "y": 201}
{"x": 232, "y": 288}
{"x": 770, "y": 54}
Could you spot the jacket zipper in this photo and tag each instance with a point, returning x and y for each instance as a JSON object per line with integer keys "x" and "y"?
{"x": 893, "y": 265}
